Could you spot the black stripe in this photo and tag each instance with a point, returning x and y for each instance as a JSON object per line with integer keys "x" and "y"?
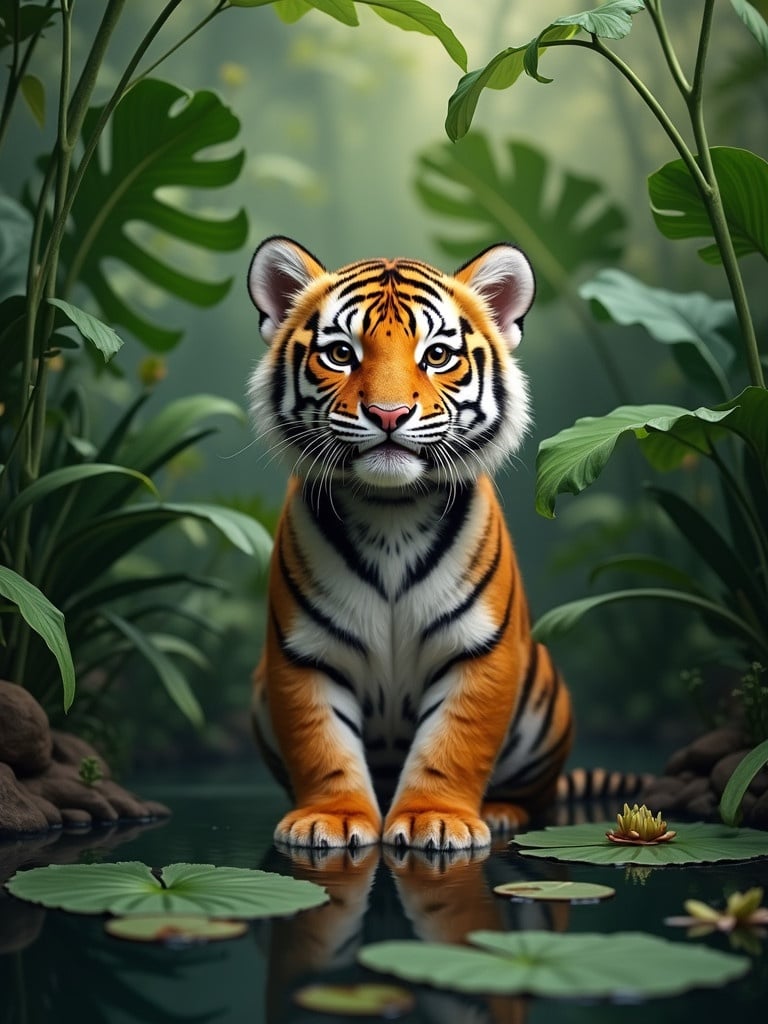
{"x": 446, "y": 534}
{"x": 336, "y": 532}
{"x": 429, "y": 712}
{"x": 307, "y": 606}
{"x": 302, "y": 661}
{"x": 472, "y": 652}
{"x": 348, "y": 722}
{"x": 531, "y": 770}
{"x": 454, "y": 613}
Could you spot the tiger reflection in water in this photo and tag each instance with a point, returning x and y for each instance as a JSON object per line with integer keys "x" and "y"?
{"x": 387, "y": 893}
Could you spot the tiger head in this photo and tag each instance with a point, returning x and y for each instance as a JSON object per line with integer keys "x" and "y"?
{"x": 389, "y": 373}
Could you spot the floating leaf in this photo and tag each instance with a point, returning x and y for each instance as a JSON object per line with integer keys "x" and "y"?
{"x": 174, "y": 929}
{"x": 368, "y": 1000}
{"x": 158, "y": 132}
{"x": 679, "y": 210}
{"x": 694, "y": 843}
{"x": 46, "y": 620}
{"x": 130, "y": 887}
{"x": 624, "y": 965}
{"x": 561, "y": 220}
{"x": 569, "y": 892}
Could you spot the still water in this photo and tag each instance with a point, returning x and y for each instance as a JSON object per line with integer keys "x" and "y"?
{"x": 58, "y": 968}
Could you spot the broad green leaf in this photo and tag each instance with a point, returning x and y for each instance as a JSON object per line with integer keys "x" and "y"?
{"x": 560, "y": 219}
{"x": 748, "y": 417}
{"x": 173, "y": 680}
{"x": 738, "y": 784}
{"x": 714, "y": 550}
{"x": 91, "y": 328}
{"x": 564, "y": 617}
{"x": 629, "y": 965}
{"x": 132, "y": 888}
{"x": 23, "y": 20}
{"x": 289, "y": 11}
{"x": 341, "y": 10}
{"x": 91, "y": 548}
{"x": 173, "y": 929}
{"x": 754, "y": 21}
{"x": 66, "y": 477}
{"x": 117, "y": 590}
{"x": 573, "y": 459}
{"x": 694, "y": 324}
{"x": 413, "y": 15}
{"x": 46, "y": 620}
{"x": 647, "y": 565}
{"x": 694, "y": 843}
{"x": 33, "y": 91}
{"x": 158, "y": 132}
{"x": 150, "y": 446}
{"x": 611, "y": 20}
{"x": 679, "y": 210}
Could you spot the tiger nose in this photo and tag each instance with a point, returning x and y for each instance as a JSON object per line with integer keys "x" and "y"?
{"x": 387, "y": 419}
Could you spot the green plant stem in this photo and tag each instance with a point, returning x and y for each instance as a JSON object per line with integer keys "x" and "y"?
{"x": 59, "y": 224}
{"x": 16, "y": 71}
{"x": 222, "y": 5}
{"x": 654, "y": 10}
{"x": 714, "y": 205}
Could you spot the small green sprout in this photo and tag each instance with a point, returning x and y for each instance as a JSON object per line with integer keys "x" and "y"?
{"x": 90, "y": 771}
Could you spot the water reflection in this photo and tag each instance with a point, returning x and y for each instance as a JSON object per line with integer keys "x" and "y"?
{"x": 385, "y": 894}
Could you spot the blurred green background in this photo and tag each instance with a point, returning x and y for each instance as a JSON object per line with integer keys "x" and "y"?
{"x": 334, "y": 123}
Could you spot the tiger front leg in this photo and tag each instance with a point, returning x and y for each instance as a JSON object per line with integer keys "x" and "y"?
{"x": 437, "y": 805}
{"x": 322, "y": 750}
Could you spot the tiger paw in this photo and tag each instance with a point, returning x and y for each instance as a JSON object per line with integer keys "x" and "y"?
{"x": 503, "y": 817}
{"x": 322, "y": 827}
{"x": 436, "y": 829}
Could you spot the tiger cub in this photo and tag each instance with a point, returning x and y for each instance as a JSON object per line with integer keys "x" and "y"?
{"x": 399, "y": 687}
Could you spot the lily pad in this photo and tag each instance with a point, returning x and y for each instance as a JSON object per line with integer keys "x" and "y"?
{"x": 174, "y": 929}
{"x": 130, "y": 887}
{"x": 548, "y": 890}
{"x": 368, "y": 1000}
{"x": 694, "y": 843}
{"x": 624, "y": 965}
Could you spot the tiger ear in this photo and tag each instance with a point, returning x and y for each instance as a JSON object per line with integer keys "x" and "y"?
{"x": 279, "y": 271}
{"x": 503, "y": 277}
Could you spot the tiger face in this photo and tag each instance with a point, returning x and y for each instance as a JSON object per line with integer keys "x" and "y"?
{"x": 389, "y": 374}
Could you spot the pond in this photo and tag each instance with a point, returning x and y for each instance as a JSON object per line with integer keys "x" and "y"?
{"x": 58, "y": 968}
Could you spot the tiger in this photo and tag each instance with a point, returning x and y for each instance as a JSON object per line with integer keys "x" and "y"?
{"x": 400, "y": 697}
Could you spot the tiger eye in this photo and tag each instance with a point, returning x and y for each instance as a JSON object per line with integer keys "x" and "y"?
{"x": 341, "y": 354}
{"x": 436, "y": 355}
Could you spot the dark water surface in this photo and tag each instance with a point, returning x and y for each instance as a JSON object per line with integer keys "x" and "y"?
{"x": 62, "y": 968}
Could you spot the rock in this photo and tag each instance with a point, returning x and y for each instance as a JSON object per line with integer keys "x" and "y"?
{"x": 18, "y": 813}
{"x": 703, "y": 806}
{"x": 707, "y": 750}
{"x": 758, "y": 812}
{"x": 724, "y": 769}
{"x": 25, "y": 737}
{"x": 69, "y": 749}
{"x": 692, "y": 790}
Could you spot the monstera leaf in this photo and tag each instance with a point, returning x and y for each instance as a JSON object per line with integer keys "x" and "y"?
{"x": 577, "y": 225}
{"x": 157, "y": 135}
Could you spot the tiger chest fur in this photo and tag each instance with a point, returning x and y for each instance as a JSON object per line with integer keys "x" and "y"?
{"x": 399, "y": 674}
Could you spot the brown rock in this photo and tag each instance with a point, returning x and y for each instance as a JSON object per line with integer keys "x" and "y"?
{"x": 663, "y": 795}
{"x": 695, "y": 788}
{"x": 75, "y": 817}
{"x": 724, "y": 769}
{"x": 69, "y": 749}
{"x": 62, "y": 786}
{"x": 25, "y": 737}
{"x": 758, "y": 814}
{"x": 708, "y": 749}
{"x": 704, "y": 806}
{"x": 17, "y": 812}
